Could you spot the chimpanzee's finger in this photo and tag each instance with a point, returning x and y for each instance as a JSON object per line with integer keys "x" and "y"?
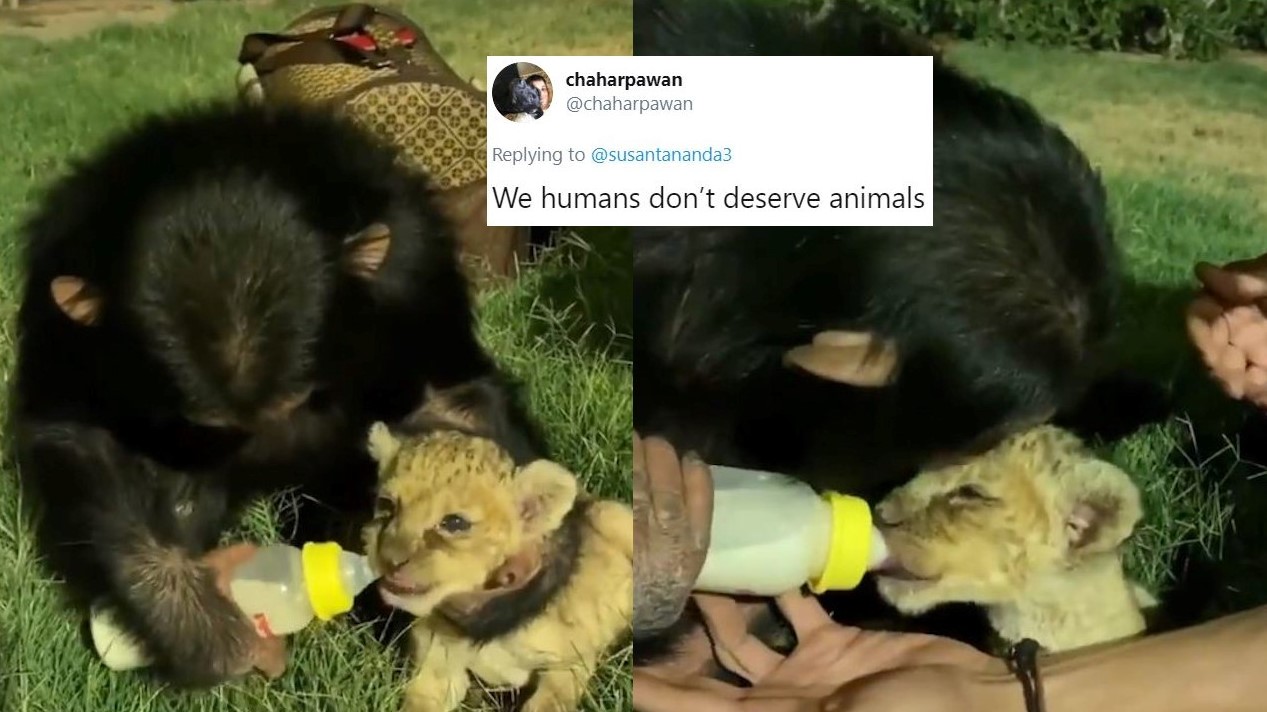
{"x": 664, "y": 481}
{"x": 641, "y": 485}
{"x": 698, "y": 491}
{"x": 225, "y": 560}
{"x": 270, "y": 656}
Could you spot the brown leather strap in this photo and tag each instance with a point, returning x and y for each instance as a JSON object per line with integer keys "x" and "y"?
{"x": 316, "y": 46}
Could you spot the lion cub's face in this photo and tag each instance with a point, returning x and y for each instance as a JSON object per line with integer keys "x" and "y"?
{"x": 451, "y": 508}
{"x": 981, "y": 531}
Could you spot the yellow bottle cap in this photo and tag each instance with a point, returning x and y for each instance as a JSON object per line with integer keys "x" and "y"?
{"x": 326, "y": 593}
{"x": 850, "y": 547}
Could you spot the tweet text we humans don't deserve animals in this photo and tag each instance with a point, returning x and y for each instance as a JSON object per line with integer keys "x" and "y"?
{"x": 655, "y": 141}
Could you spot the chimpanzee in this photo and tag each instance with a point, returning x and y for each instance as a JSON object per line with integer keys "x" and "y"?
{"x": 851, "y": 356}
{"x": 218, "y": 303}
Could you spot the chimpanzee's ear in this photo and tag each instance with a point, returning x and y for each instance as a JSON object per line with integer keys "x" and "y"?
{"x": 850, "y": 357}
{"x": 364, "y": 252}
{"x": 77, "y": 299}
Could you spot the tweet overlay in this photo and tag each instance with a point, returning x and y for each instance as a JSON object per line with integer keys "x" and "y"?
{"x": 699, "y": 141}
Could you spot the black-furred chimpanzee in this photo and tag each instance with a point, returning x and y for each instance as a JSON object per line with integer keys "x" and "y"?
{"x": 218, "y": 304}
{"x": 851, "y": 356}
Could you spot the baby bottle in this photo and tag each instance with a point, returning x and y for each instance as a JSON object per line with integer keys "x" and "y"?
{"x": 280, "y": 589}
{"x": 771, "y": 534}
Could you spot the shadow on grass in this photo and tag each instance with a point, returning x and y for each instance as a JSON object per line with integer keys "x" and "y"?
{"x": 1232, "y": 456}
{"x": 587, "y": 289}
{"x": 1147, "y": 372}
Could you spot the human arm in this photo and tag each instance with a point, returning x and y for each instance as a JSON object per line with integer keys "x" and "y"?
{"x": 1214, "y": 667}
{"x": 119, "y": 526}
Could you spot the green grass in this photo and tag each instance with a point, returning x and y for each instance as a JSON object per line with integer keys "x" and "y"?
{"x": 1183, "y": 151}
{"x": 563, "y": 329}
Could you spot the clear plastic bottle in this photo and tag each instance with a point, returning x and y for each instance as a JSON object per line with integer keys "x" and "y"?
{"x": 280, "y": 589}
{"x": 771, "y": 534}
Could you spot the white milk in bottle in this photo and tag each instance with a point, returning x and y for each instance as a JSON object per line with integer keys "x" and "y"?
{"x": 771, "y": 534}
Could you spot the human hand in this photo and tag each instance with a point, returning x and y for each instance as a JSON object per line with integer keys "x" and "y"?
{"x": 832, "y": 668}
{"x": 673, "y": 513}
{"x": 1227, "y": 325}
{"x": 269, "y": 652}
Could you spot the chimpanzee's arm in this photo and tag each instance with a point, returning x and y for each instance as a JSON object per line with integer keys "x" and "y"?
{"x": 120, "y": 526}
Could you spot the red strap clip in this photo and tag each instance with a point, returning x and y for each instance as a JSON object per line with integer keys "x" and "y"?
{"x": 364, "y": 42}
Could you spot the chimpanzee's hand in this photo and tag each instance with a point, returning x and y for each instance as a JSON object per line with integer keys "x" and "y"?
{"x": 197, "y": 636}
{"x": 268, "y": 654}
{"x": 673, "y": 512}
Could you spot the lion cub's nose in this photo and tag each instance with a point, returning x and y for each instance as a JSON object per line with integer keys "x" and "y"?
{"x": 393, "y": 555}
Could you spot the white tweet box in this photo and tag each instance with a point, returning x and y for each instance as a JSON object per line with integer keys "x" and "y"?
{"x": 713, "y": 141}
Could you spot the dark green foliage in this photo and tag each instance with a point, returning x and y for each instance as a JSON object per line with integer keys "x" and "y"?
{"x": 1190, "y": 29}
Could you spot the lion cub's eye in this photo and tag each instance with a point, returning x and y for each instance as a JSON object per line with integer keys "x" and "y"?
{"x": 384, "y": 507}
{"x": 455, "y": 523}
{"x": 972, "y": 492}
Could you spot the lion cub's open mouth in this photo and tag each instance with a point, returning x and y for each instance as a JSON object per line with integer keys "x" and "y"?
{"x": 402, "y": 586}
{"x": 892, "y": 569}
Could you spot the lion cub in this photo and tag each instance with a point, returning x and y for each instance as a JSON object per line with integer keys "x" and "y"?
{"x": 512, "y": 573}
{"x": 1031, "y": 530}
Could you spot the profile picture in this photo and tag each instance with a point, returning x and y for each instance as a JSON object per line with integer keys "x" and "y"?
{"x": 522, "y": 92}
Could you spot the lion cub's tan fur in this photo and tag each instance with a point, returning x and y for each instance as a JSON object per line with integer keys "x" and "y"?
{"x": 441, "y": 473}
{"x": 1031, "y": 530}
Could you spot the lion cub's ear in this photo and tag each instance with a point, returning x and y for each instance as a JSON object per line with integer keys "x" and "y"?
{"x": 546, "y": 492}
{"x": 1105, "y": 507}
{"x": 852, "y": 358}
{"x": 383, "y": 446}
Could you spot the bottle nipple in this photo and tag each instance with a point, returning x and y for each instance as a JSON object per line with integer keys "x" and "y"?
{"x": 324, "y": 566}
{"x": 850, "y": 552}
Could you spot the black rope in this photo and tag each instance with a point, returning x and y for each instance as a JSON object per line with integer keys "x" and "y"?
{"x": 1022, "y": 661}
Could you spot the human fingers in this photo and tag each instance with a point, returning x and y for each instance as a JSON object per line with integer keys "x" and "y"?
{"x": 1207, "y": 329}
{"x": 737, "y": 650}
{"x": 1230, "y": 369}
{"x": 804, "y": 613}
{"x": 1211, "y": 329}
{"x": 1256, "y": 385}
{"x": 656, "y": 694}
{"x": 1251, "y": 337}
{"x": 697, "y": 489}
{"x": 1255, "y": 380}
{"x": 1235, "y": 283}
